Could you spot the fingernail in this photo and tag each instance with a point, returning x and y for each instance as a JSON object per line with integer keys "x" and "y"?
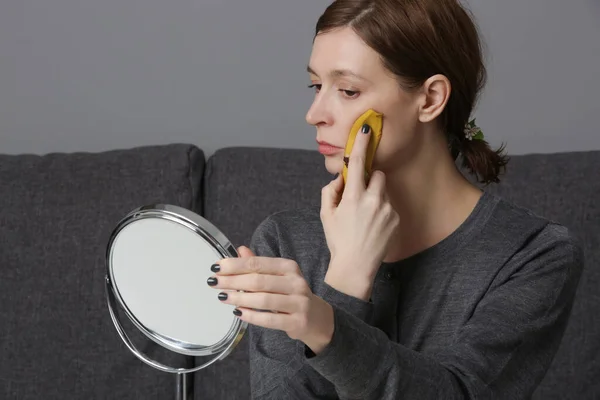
{"x": 365, "y": 128}
{"x": 222, "y": 296}
{"x": 212, "y": 281}
{"x": 215, "y": 268}
{"x": 335, "y": 176}
{"x": 237, "y": 312}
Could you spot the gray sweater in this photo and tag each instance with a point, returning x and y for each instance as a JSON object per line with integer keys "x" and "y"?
{"x": 478, "y": 316}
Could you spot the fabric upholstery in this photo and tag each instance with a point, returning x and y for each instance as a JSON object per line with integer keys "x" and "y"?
{"x": 56, "y": 215}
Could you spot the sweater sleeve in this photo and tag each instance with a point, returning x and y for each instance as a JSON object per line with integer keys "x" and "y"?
{"x": 274, "y": 357}
{"x": 502, "y": 352}
{"x": 360, "y": 309}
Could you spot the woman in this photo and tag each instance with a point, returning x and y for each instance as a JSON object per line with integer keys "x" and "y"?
{"x": 417, "y": 285}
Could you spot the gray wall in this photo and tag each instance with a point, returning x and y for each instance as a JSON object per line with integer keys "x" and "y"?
{"x": 91, "y": 75}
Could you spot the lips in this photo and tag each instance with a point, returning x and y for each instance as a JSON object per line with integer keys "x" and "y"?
{"x": 323, "y": 143}
{"x": 328, "y": 149}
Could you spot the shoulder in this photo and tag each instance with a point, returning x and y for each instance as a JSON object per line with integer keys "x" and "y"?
{"x": 288, "y": 221}
{"x": 534, "y": 237}
{"x": 290, "y": 228}
{"x": 541, "y": 228}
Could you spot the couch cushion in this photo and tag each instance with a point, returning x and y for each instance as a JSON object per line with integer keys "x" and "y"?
{"x": 244, "y": 185}
{"x": 56, "y": 214}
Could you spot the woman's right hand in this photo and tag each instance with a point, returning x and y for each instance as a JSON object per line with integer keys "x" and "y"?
{"x": 359, "y": 223}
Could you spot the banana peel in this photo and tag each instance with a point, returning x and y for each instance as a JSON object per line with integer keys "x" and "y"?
{"x": 375, "y": 121}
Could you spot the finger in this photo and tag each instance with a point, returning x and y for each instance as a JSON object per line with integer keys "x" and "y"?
{"x": 251, "y": 264}
{"x": 254, "y": 283}
{"x": 261, "y": 301}
{"x": 356, "y": 162}
{"x": 377, "y": 184}
{"x": 279, "y": 321}
{"x": 386, "y": 196}
{"x": 331, "y": 194}
{"x": 245, "y": 252}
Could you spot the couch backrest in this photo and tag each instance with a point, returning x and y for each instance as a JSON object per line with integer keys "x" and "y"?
{"x": 244, "y": 185}
{"x": 56, "y": 214}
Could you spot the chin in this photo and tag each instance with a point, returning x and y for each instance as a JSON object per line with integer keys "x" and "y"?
{"x": 334, "y": 165}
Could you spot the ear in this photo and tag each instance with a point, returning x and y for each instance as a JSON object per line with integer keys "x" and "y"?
{"x": 435, "y": 93}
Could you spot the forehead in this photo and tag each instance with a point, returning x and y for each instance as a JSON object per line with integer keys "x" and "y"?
{"x": 343, "y": 49}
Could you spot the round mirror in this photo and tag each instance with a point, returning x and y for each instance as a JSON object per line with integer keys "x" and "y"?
{"x": 158, "y": 260}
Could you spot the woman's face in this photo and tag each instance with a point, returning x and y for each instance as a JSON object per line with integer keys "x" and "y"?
{"x": 349, "y": 78}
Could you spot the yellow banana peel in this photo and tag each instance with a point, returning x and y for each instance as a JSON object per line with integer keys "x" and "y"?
{"x": 375, "y": 121}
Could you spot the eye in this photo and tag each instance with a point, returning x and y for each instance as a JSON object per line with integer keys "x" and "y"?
{"x": 351, "y": 94}
{"x": 316, "y": 86}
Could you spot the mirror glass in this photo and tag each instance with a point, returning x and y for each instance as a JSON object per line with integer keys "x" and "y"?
{"x": 158, "y": 267}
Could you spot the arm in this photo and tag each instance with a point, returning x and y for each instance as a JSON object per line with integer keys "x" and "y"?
{"x": 265, "y": 242}
{"x": 503, "y": 351}
{"x": 277, "y": 366}
{"x": 354, "y": 306}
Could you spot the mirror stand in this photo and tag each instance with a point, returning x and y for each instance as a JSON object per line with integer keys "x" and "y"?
{"x": 183, "y": 387}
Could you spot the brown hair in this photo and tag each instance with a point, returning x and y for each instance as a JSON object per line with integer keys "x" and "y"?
{"x": 417, "y": 39}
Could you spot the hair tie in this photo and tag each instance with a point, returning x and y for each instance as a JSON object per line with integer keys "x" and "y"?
{"x": 472, "y": 131}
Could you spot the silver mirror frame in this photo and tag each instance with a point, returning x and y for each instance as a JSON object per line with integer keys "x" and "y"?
{"x": 220, "y": 243}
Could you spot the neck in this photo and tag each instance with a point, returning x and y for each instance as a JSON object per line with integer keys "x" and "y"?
{"x": 431, "y": 197}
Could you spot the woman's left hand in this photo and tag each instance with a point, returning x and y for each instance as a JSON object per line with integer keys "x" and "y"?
{"x": 277, "y": 285}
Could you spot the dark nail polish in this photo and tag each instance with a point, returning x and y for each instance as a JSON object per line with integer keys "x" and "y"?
{"x": 237, "y": 312}
{"x": 215, "y": 268}
{"x": 335, "y": 176}
{"x": 365, "y": 128}
{"x": 212, "y": 281}
{"x": 222, "y": 296}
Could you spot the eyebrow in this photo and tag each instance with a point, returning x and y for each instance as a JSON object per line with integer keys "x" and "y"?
{"x": 338, "y": 73}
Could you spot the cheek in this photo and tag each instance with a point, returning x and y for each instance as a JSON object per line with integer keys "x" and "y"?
{"x": 398, "y": 131}
{"x": 345, "y": 121}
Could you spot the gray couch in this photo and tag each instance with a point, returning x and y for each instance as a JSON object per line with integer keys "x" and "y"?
{"x": 57, "y": 211}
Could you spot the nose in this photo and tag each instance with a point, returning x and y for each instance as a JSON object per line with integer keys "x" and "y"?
{"x": 318, "y": 114}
